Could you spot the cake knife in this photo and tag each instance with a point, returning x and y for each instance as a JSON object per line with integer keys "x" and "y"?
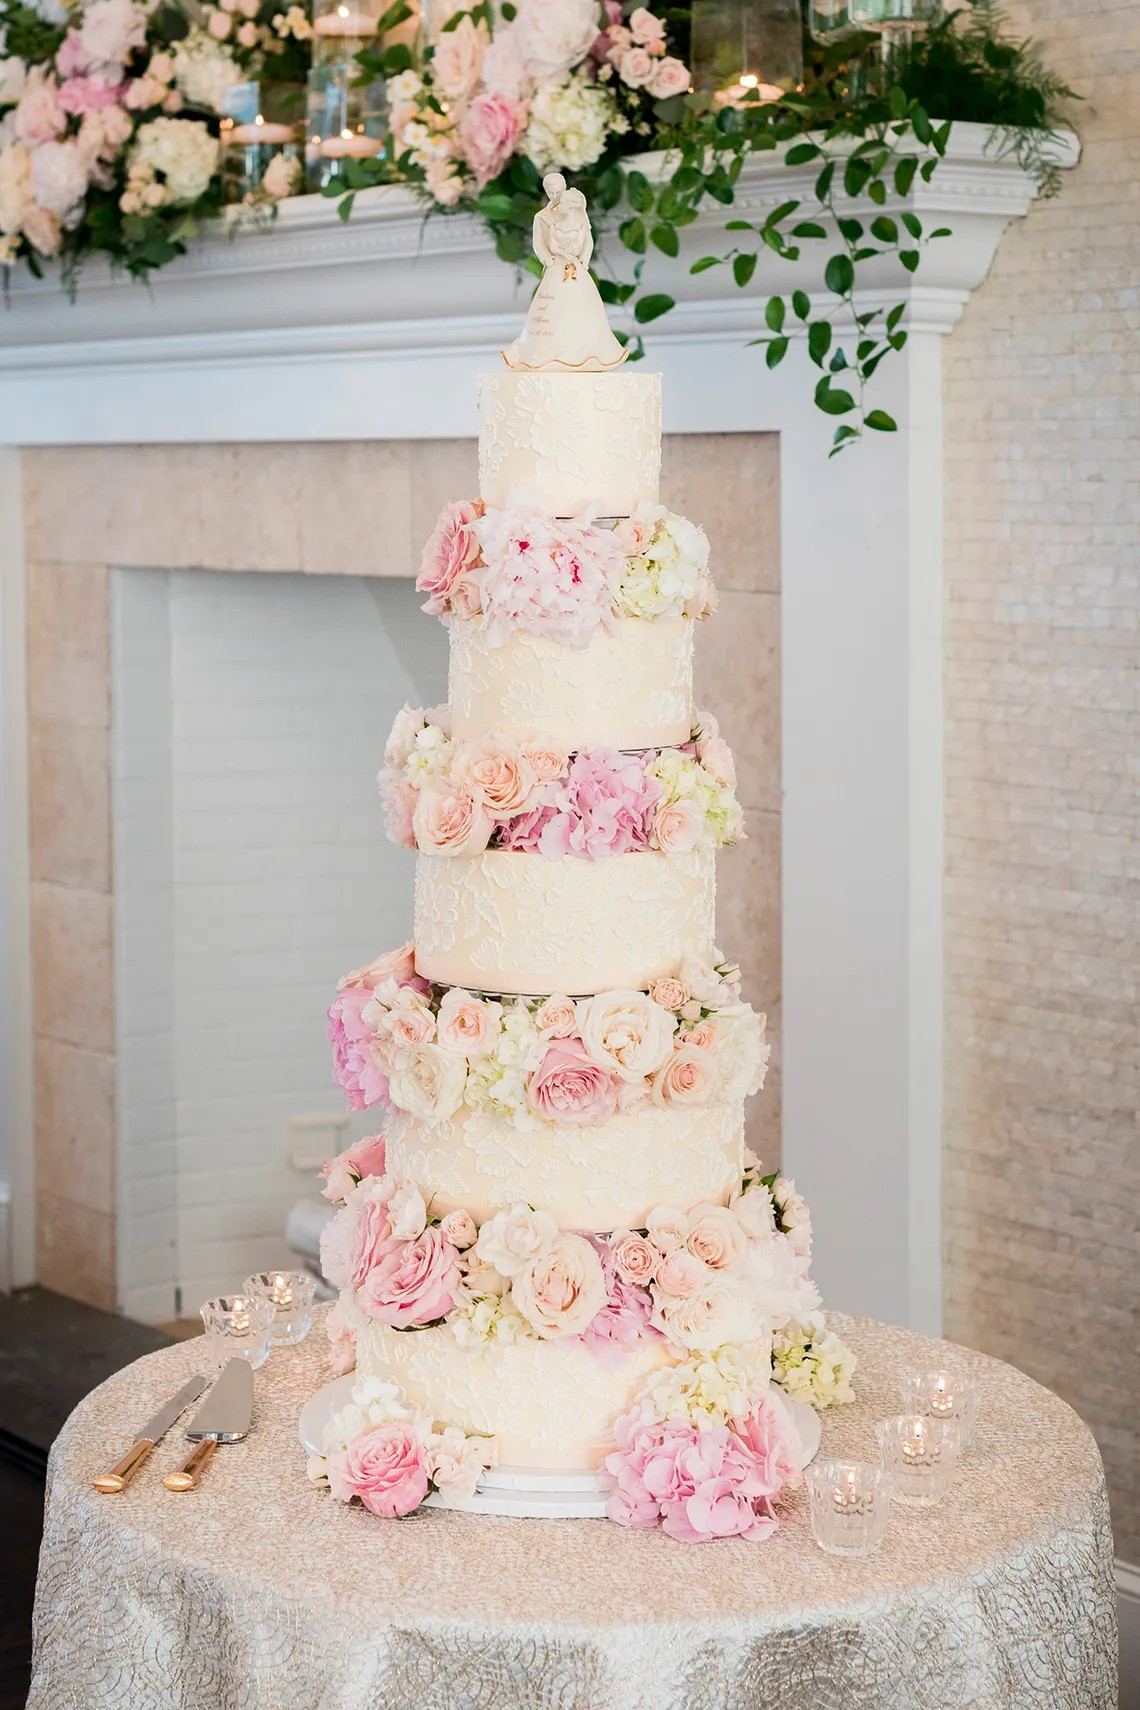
{"x": 123, "y": 1471}
{"x": 224, "y": 1417}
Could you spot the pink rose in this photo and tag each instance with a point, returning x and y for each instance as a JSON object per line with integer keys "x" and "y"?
{"x": 677, "y": 827}
{"x": 467, "y": 1024}
{"x": 679, "y": 1274}
{"x": 559, "y": 1292}
{"x": 686, "y": 1078}
{"x": 467, "y": 597}
{"x": 398, "y": 965}
{"x": 497, "y": 774}
{"x": 770, "y": 1434}
{"x": 372, "y": 1238}
{"x": 645, "y": 27}
{"x": 619, "y": 42}
{"x": 413, "y": 1024}
{"x": 547, "y": 764}
{"x": 413, "y": 1284}
{"x": 40, "y": 115}
{"x": 669, "y": 993}
{"x": 635, "y": 68}
{"x": 449, "y": 821}
{"x": 702, "y": 1037}
{"x": 387, "y": 1469}
{"x": 716, "y": 1237}
{"x": 489, "y": 133}
{"x": 716, "y": 757}
{"x": 568, "y": 1088}
{"x": 363, "y": 1158}
{"x": 667, "y": 1227}
{"x": 557, "y": 1018}
{"x": 633, "y": 534}
{"x": 355, "y": 1062}
{"x": 450, "y": 553}
{"x": 458, "y": 1228}
{"x": 634, "y": 1259}
{"x": 399, "y": 797}
{"x": 671, "y": 77}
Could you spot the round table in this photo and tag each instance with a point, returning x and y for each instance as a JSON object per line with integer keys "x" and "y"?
{"x": 258, "y": 1592}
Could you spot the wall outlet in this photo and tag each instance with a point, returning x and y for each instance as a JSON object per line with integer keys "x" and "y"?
{"x": 309, "y": 1140}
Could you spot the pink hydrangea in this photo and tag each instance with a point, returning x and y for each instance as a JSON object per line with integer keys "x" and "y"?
{"x": 770, "y": 1433}
{"x": 88, "y": 94}
{"x": 413, "y": 1283}
{"x": 451, "y": 552}
{"x": 553, "y": 578}
{"x": 605, "y": 806}
{"x": 700, "y": 1484}
{"x": 625, "y": 1319}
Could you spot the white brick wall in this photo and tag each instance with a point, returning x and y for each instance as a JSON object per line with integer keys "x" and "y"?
{"x": 251, "y": 870}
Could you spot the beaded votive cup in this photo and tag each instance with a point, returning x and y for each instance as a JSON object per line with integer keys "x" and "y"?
{"x": 289, "y": 1295}
{"x": 920, "y": 1455}
{"x": 237, "y": 1327}
{"x": 943, "y": 1395}
{"x": 850, "y": 1506}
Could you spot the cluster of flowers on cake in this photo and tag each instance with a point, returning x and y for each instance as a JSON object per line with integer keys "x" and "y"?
{"x": 556, "y": 82}
{"x": 448, "y": 797}
{"x": 389, "y": 1457}
{"x": 689, "y": 1041}
{"x": 521, "y": 569}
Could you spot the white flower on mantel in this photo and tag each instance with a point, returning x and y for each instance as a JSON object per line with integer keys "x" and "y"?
{"x": 553, "y": 36}
{"x": 182, "y": 150}
{"x": 204, "y": 69}
{"x": 569, "y": 124}
{"x": 281, "y": 178}
{"x": 112, "y": 29}
{"x": 12, "y": 74}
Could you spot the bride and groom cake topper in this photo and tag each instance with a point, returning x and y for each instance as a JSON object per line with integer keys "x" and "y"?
{"x": 566, "y": 325}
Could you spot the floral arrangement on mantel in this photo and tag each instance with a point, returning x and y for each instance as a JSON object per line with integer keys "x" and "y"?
{"x": 708, "y": 1443}
{"x": 109, "y": 143}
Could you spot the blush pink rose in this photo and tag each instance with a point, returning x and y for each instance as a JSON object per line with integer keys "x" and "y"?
{"x": 468, "y": 1024}
{"x": 498, "y": 775}
{"x": 450, "y": 553}
{"x": 670, "y": 994}
{"x": 449, "y": 821}
{"x": 716, "y": 1237}
{"x": 372, "y": 1238}
{"x": 568, "y": 1088}
{"x": 716, "y": 757}
{"x": 634, "y": 1259}
{"x": 679, "y": 1274}
{"x": 547, "y": 764}
{"x": 398, "y": 965}
{"x": 561, "y": 1290}
{"x": 702, "y": 1037}
{"x": 557, "y": 1018}
{"x": 670, "y": 77}
{"x": 399, "y": 797}
{"x": 414, "y": 1282}
{"x": 387, "y": 1469}
{"x": 635, "y": 68}
{"x": 644, "y": 27}
{"x": 467, "y": 597}
{"x": 677, "y": 827}
{"x": 688, "y": 1077}
{"x": 458, "y": 1228}
{"x": 363, "y": 1158}
{"x": 490, "y": 132}
{"x": 413, "y": 1024}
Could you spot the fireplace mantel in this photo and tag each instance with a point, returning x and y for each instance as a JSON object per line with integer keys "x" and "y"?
{"x": 316, "y": 329}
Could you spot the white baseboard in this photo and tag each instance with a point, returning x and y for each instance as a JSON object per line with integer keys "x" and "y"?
{"x": 1128, "y": 1581}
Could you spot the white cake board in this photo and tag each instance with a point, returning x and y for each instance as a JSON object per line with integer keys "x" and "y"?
{"x": 520, "y": 1492}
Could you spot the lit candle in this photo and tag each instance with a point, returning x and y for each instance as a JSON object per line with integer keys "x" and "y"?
{"x": 259, "y": 132}
{"x": 746, "y": 90}
{"x": 351, "y": 144}
{"x": 240, "y": 1314}
{"x": 282, "y": 1289}
{"x": 345, "y": 22}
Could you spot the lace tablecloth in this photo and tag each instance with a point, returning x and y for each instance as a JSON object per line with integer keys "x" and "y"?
{"x": 257, "y": 1592}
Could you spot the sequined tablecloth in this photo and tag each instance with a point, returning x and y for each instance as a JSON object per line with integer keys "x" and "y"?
{"x": 257, "y": 1592}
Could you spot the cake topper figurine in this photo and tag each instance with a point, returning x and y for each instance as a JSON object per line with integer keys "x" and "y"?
{"x": 566, "y": 325}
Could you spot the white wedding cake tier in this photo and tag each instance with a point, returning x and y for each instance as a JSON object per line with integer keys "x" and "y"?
{"x": 557, "y": 1257}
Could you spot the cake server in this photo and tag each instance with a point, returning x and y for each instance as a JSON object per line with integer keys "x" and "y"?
{"x": 124, "y": 1471}
{"x": 224, "y": 1417}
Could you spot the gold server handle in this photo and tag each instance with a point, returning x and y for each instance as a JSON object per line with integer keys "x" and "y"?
{"x": 124, "y": 1471}
{"x": 193, "y": 1467}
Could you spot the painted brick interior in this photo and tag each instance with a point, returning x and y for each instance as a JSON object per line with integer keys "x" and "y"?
{"x": 1042, "y": 1156}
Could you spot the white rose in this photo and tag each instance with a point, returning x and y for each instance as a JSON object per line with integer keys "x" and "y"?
{"x": 559, "y": 1292}
{"x": 667, "y": 1227}
{"x": 716, "y": 1237}
{"x": 428, "y": 1082}
{"x": 455, "y": 1462}
{"x": 756, "y": 1212}
{"x": 721, "y": 1310}
{"x": 554, "y": 36}
{"x": 402, "y": 739}
{"x": 12, "y": 74}
{"x": 281, "y": 178}
{"x": 742, "y": 1052}
{"x": 514, "y": 1238}
{"x": 112, "y": 29}
{"x": 59, "y": 177}
{"x": 407, "y": 1212}
{"x": 626, "y": 1032}
{"x": 458, "y": 60}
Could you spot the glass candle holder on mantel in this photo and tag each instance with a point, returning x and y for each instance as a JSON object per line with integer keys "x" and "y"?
{"x": 343, "y": 28}
{"x": 261, "y": 140}
{"x": 850, "y": 1506}
{"x": 894, "y": 22}
{"x": 920, "y": 1456}
{"x": 344, "y": 122}
{"x": 290, "y": 1295}
{"x": 747, "y": 51}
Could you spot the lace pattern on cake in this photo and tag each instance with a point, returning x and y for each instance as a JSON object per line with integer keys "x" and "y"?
{"x": 506, "y": 921}
{"x": 581, "y": 439}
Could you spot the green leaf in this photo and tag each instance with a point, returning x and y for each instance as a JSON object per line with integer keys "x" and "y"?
{"x": 831, "y": 400}
{"x": 632, "y": 234}
{"x": 774, "y": 313}
{"x": 802, "y": 153}
{"x": 494, "y": 205}
{"x": 839, "y": 274}
{"x": 608, "y": 187}
{"x": 885, "y": 229}
{"x": 781, "y": 213}
{"x": 823, "y": 182}
{"x": 801, "y": 303}
{"x": 881, "y": 422}
{"x": 739, "y": 226}
{"x": 896, "y": 100}
{"x": 843, "y": 436}
{"x": 344, "y": 208}
{"x": 910, "y": 258}
{"x": 649, "y": 308}
{"x": 942, "y": 231}
{"x": 923, "y": 129}
{"x": 877, "y": 191}
{"x": 776, "y": 352}
{"x": 912, "y": 223}
{"x": 722, "y": 192}
{"x": 638, "y": 191}
{"x": 508, "y": 12}
{"x": 665, "y": 237}
{"x": 743, "y": 267}
{"x": 706, "y": 261}
{"x": 895, "y": 315}
{"x": 687, "y": 178}
{"x": 819, "y": 341}
{"x": 904, "y": 174}
{"x": 852, "y": 230}
{"x": 897, "y": 340}
{"x": 509, "y": 245}
{"x": 809, "y": 229}
{"x": 838, "y": 362}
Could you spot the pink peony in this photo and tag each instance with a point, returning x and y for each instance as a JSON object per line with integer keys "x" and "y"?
{"x": 677, "y": 827}
{"x": 372, "y": 1238}
{"x": 73, "y": 59}
{"x": 625, "y": 1319}
{"x": 449, "y": 821}
{"x": 452, "y": 550}
{"x": 387, "y": 1469}
{"x": 568, "y": 1088}
{"x": 687, "y": 1077}
{"x": 112, "y": 30}
{"x": 40, "y": 115}
{"x": 554, "y": 578}
{"x": 355, "y": 1062}
{"x": 489, "y": 133}
{"x": 672, "y": 77}
{"x": 88, "y": 94}
{"x": 458, "y": 59}
{"x": 413, "y": 1282}
{"x": 770, "y": 1433}
{"x": 363, "y": 1158}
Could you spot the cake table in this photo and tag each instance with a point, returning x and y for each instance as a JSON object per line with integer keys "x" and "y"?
{"x": 259, "y": 1592}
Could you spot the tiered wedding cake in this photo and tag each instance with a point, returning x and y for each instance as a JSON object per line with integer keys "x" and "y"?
{"x": 559, "y": 1267}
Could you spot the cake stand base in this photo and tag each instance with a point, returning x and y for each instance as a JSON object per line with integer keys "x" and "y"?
{"x": 532, "y": 1493}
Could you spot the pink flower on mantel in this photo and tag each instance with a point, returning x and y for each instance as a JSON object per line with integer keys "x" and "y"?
{"x": 413, "y": 1283}
{"x": 490, "y": 132}
{"x": 699, "y": 1484}
{"x": 450, "y": 553}
{"x": 88, "y": 94}
{"x": 386, "y": 1468}
{"x": 605, "y": 806}
{"x": 553, "y": 578}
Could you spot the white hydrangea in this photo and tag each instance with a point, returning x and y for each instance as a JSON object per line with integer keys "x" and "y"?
{"x": 60, "y": 177}
{"x": 497, "y": 1082}
{"x": 811, "y": 1363}
{"x": 708, "y": 1388}
{"x": 182, "y": 150}
{"x": 281, "y": 178}
{"x": 484, "y": 1321}
{"x": 204, "y": 69}
{"x": 430, "y": 755}
{"x": 795, "y": 1218}
{"x": 569, "y": 124}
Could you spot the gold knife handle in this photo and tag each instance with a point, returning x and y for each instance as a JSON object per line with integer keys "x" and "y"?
{"x": 193, "y": 1467}
{"x": 124, "y": 1471}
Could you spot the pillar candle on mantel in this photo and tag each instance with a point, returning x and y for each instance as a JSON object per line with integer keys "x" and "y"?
{"x": 260, "y": 133}
{"x": 350, "y": 145}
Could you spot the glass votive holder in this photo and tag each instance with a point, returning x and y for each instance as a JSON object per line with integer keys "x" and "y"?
{"x": 345, "y": 120}
{"x": 289, "y": 1295}
{"x": 237, "y": 1327}
{"x": 261, "y": 141}
{"x": 920, "y": 1456}
{"x": 850, "y": 1506}
{"x": 344, "y": 28}
{"x": 943, "y": 1395}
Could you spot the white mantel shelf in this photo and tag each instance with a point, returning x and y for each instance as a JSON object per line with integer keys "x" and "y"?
{"x": 316, "y": 329}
